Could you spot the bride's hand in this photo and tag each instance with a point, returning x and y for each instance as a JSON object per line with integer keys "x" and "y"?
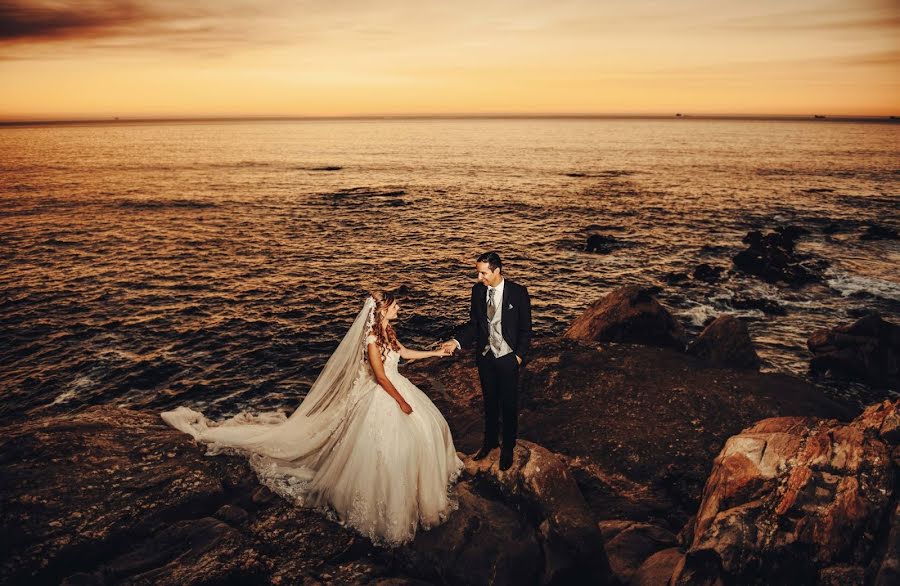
{"x": 404, "y": 406}
{"x": 440, "y": 353}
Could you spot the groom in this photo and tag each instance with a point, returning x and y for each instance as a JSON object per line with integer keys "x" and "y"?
{"x": 500, "y": 325}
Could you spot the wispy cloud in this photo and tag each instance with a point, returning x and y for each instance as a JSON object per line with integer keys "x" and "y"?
{"x": 875, "y": 58}
{"x": 34, "y": 27}
{"x": 859, "y": 18}
{"x": 22, "y": 21}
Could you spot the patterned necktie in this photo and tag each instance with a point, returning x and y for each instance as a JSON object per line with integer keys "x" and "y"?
{"x": 491, "y": 310}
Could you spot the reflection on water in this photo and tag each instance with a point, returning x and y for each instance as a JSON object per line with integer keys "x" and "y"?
{"x": 219, "y": 263}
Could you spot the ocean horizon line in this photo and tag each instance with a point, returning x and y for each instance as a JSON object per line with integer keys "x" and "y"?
{"x": 463, "y": 116}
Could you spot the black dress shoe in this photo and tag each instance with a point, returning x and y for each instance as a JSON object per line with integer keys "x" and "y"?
{"x": 506, "y": 458}
{"x": 483, "y": 452}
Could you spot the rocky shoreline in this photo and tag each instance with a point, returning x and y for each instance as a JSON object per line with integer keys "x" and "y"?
{"x": 639, "y": 463}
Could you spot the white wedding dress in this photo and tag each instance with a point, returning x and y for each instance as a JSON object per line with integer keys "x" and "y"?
{"x": 348, "y": 448}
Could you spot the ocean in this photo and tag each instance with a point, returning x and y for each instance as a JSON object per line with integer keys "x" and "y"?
{"x": 217, "y": 264}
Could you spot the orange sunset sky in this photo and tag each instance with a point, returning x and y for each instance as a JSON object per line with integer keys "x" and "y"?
{"x": 144, "y": 58}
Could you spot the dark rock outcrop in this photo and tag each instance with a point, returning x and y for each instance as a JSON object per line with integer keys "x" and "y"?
{"x": 639, "y": 425}
{"x": 112, "y": 495}
{"x": 540, "y": 482}
{"x": 798, "y": 500}
{"x": 482, "y": 542}
{"x": 630, "y": 314}
{"x": 773, "y": 257}
{"x": 726, "y": 342}
{"x": 866, "y": 350}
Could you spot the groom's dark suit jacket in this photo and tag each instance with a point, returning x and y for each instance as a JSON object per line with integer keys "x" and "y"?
{"x": 515, "y": 321}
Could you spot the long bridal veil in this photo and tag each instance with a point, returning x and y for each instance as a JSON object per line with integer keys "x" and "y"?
{"x": 286, "y": 451}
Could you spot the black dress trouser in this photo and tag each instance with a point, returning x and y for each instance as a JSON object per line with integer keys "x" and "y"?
{"x": 499, "y": 387}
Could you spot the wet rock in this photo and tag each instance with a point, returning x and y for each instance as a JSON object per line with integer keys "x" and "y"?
{"x": 707, "y": 272}
{"x": 630, "y": 543}
{"x": 767, "y": 306}
{"x": 879, "y": 232}
{"x": 773, "y": 257}
{"x": 629, "y": 314}
{"x": 675, "y": 278}
{"x": 867, "y": 350}
{"x": 110, "y": 467}
{"x": 795, "y": 499}
{"x": 541, "y": 483}
{"x": 600, "y": 243}
{"x": 658, "y": 568}
{"x": 187, "y": 552}
{"x": 726, "y": 342}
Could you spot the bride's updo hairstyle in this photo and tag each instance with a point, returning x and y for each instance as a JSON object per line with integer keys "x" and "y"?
{"x": 382, "y": 329}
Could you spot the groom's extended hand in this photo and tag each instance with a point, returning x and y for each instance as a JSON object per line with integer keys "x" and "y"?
{"x": 449, "y": 347}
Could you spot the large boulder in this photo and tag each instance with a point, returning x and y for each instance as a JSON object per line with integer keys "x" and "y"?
{"x": 630, "y": 314}
{"x": 726, "y": 342}
{"x": 797, "y": 500}
{"x": 889, "y": 568}
{"x": 482, "y": 542}
{"x": 175, "y": 554}
{"x": 540, "y": 482}
{"x": 629, "y": 544}
{"x": 866, "y": 350}
{"x": 658, "y": 568}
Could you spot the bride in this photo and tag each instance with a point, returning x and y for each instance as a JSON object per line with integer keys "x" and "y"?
{"x": 365, "y": 441}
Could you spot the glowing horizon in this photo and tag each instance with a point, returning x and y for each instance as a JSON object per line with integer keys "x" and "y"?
{"x": 166, "y": 59}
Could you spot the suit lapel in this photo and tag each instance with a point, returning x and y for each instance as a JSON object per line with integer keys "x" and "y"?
{"x": 482, "y": 303}
{"x": 506, "y": 289}
{"x": 504, "y": 311}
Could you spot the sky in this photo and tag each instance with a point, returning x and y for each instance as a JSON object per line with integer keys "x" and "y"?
{"x": 143, "y": 58}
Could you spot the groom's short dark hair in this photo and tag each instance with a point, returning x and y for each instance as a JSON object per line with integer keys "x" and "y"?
{"x": 493, "y": 260}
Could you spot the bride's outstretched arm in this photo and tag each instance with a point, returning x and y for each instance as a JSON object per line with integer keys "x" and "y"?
{"x": 386, "y": 384}
{"x": 408, "y": 354}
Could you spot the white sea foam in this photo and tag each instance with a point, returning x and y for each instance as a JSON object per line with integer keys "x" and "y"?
{"x": 847, "y": 285}
{"x": 698, "y": 314}
{"x": 63, "y": 397}
{"x": 75, "y": 387}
